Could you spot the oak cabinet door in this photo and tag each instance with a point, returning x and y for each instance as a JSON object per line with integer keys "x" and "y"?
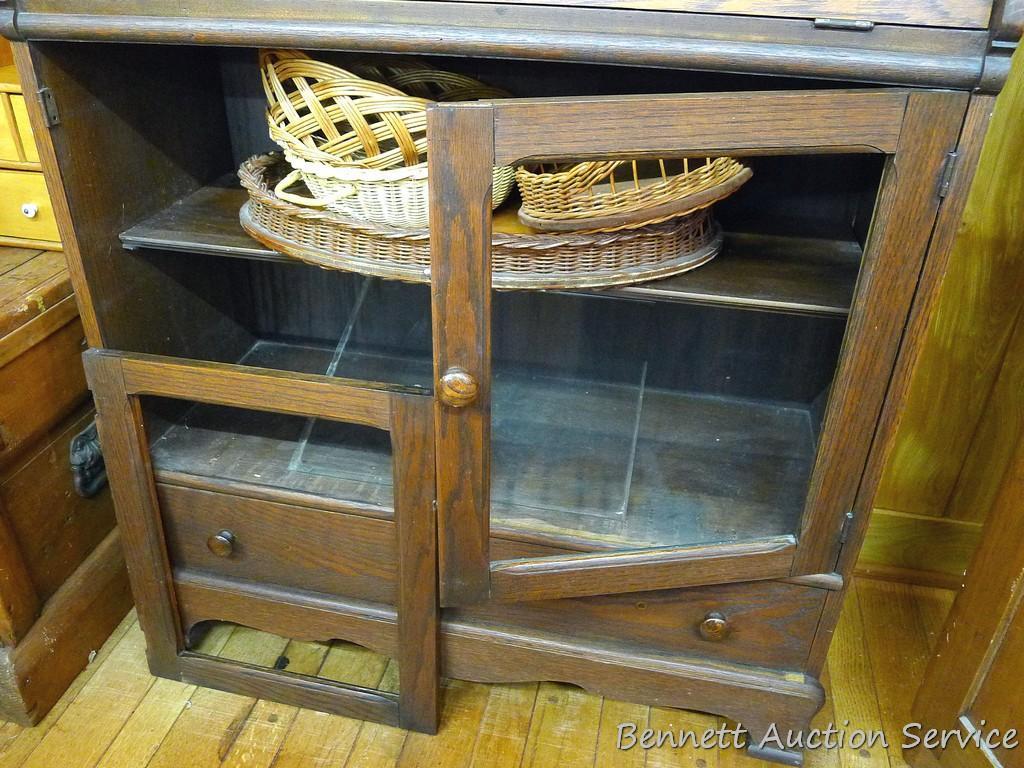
{"x": 714, "y": 427}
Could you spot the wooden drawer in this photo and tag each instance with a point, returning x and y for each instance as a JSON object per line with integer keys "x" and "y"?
{"x": 769, "y": 623}
{"x": 281, "y": 544}
{"x": 18, "y": 188}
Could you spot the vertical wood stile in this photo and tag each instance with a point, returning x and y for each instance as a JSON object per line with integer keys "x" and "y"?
{"x": 138, "y": 516}
{"x": 893, "y": 257}
{"x": 461, "y": 158}
{"x": 412, "y": 436}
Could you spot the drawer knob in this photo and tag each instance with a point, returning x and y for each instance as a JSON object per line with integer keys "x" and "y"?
{"x": 715, "y": 627}
{"x": 458, "y": 388}
{"x": 29, "y": 210}
{"x": 222, "y": 544}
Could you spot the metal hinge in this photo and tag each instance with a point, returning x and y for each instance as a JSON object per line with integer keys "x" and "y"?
{"x": 948, "y": 170}
{"x": 847, "y": 25}
{"x": 49, "y": 107}
{"x": 845, "y": 530}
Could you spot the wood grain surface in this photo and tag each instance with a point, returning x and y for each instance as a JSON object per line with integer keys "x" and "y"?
{"x": 968, "y": 335}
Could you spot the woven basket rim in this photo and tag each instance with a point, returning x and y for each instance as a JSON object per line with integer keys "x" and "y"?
{"x": 253, "y": 176}
{"x": 355, "y": 171}
{"x": 567, "y": 195}
{"x": 542, "y": 261}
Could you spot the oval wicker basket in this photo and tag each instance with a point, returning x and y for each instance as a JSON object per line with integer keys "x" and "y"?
{"x": 359, "y": 145}
{"x": 587, "y": 196}
{"x": 533, "y": 261}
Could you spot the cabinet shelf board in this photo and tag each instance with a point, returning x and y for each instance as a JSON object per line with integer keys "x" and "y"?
{"x": 767, "y": 273}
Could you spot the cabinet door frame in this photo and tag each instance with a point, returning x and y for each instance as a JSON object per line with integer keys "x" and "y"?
{"x": 118, "y": 381}
{"x": 916, "y": 130}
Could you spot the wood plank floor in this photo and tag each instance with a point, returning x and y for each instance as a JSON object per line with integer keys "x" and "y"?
{"x": 116, "y": 715}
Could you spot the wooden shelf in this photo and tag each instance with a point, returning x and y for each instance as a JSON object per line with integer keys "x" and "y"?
{"x": 767, "y": 273}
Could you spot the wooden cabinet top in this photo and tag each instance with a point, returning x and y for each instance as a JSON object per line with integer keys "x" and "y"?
{"x": 941, "y": 43}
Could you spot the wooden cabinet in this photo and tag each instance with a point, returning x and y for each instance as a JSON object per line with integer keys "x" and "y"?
{"x": 655, "y": 491}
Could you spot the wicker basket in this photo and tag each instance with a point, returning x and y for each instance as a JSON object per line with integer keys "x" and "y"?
{"x": 535, "y": 261}
{"x": 588, "y": 196}
{"x": 359, "y": 145}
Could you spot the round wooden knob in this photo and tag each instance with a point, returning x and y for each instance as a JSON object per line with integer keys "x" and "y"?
{"x": 458, "y": 388}
{"x": 715, "y": 627}
{"x": 222, "y": 544}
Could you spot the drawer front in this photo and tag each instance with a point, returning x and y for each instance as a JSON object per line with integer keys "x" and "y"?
{"x": 280, "y": 544}
{"x": 26, "y": 188}
{"x": 768, "y": 624}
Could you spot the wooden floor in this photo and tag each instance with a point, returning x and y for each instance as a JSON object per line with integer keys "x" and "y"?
{"x": 116, "y": 714}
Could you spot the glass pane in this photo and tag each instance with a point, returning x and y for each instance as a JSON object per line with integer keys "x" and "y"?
{"x": 292, "y": 317}
{"x": 275, "y": 451}
{"x": 685, "y": 410}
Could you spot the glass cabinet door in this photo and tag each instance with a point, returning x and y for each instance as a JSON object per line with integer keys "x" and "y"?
{"x": 707, "y": 427}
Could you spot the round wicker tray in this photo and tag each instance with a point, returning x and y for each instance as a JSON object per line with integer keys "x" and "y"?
{"x": 518, "y": 260}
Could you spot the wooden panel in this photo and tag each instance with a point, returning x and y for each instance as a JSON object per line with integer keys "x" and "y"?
{"x": 636, "y": 571}
{"x": 460, "y": 226}
{"x": 297, "y": 690}
{"x": 939, "y": 13}
{"x": 72, "y": 626}
{"x": 126, "y": 452}
{"x": 919, "y": 548}
{"x": 1001, "y": 427}
{"x": 20, "y": 603}
{"x": 999, "y": 703}
{"x": 31, "y": 283}
{"x": 104, "y": 105}
{"x": 55, "y": 527}
{"x": 10, "y": 139}
{"x": 968, "y": 335}
{"x": 26, "y": 188}
{"x": 280, "y": 544}
{"x": 977, "y": 654}
{"x": 45, "y": 379}
{"x": 412, "y": 434}
{"x": 289, "y": 613}
{"x": 28, "y": 143}
{"x": 720, "y": 42}
{"x": 770, "y": 624}
{"x": 261, "y": 389}
{"x": 795, "y": 121}
{"x": 897, "y": 244}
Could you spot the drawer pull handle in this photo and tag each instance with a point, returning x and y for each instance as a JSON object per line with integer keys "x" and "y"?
{"x": 222, "y": 544}
{"x": 715, "y": 627}
{"x": 458, "y": 388}
{"x": 29, "y": 210}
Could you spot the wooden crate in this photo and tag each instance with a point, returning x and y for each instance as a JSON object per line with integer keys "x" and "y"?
{"x": 62, "y": 580}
